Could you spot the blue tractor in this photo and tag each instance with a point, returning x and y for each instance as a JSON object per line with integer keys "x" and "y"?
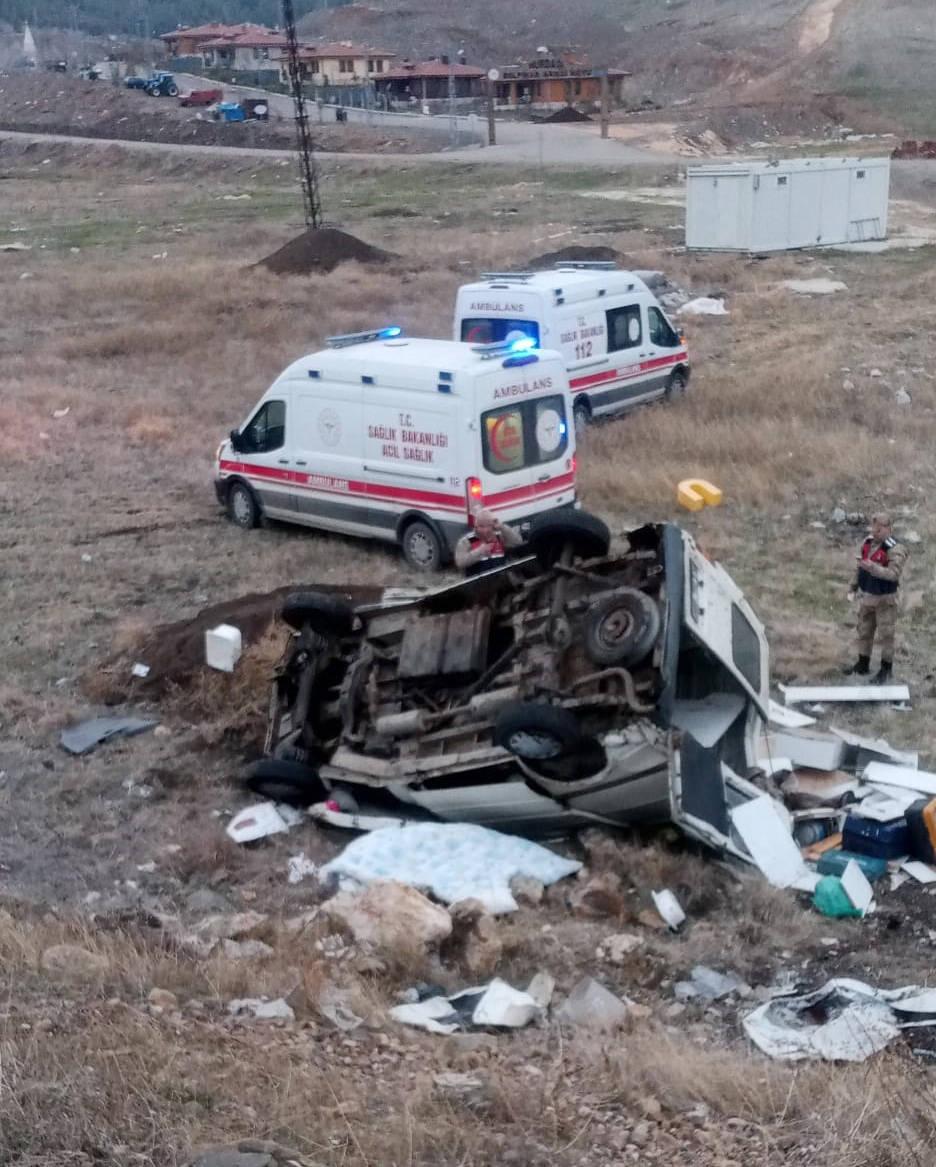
{"x": 162, "y": 85}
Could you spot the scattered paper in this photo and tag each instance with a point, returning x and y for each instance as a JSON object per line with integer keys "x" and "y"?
{"x": 140, "y": 670}
{"x": 299, "y": 867}
{"x": 703, "y": 306}
{"x": 816, "y": 287}
{"x": 496, "y": 1004}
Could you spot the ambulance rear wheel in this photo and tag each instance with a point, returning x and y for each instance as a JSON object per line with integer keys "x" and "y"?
{"x": 581, "y": 416}
{"x": 677, "y": 385}
{"x": 422, "y": 547}
{"x": 242, "y": 506}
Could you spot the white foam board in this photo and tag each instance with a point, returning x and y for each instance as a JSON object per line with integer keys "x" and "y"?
{"x": 902, "y": 776}
{"x": 766, "y": 834}
{"x": 805, "y": 694}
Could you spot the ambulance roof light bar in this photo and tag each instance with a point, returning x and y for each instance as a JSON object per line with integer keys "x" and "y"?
{"x": 586, "y": 265}
{"x": 504, "y": 348}
{"x": 349, "y": 338}
{"x": 519, "y": 276}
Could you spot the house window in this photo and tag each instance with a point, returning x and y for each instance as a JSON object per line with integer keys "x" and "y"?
{"x": 346, "y": 65}
{"x": 782, "y": 180}
{"x": 860, "y": 174}
{"x": 378, "y": 65}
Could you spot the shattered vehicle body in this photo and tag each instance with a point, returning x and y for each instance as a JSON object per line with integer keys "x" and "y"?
{"x": 573, "y": 685}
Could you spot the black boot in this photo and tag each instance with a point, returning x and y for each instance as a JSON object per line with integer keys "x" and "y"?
{"x": 860, "y": 668}
{"x": 883, "y": 677}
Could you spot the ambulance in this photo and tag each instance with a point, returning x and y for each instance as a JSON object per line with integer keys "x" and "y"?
{"x": 619, "y": 347}
{"x": 399, "y": 439}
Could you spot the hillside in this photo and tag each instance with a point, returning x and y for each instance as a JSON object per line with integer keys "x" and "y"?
{"x": 882, "y": 52}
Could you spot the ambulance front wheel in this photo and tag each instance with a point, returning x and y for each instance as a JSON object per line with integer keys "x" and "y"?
{"x": 242, "y": 506}
{"x": 422, "y": 546}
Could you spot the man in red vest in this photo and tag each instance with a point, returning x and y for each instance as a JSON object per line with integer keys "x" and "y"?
{"x": 486, "y": 546}
{"x": 877, "y": 579}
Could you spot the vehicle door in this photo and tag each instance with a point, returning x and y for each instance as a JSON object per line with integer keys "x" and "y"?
{"x": 526, "y": 453}
{"x": 664, "y": 350}
{"x": 582, "y": 338}
{"x": 328, "y": 443}
{"x": 265, "y": 454}
{"x": 624, "y": 383}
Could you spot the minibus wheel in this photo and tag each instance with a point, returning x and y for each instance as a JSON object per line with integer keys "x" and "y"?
{"x": 422, "y": 547}
{"x": 242, "y": 506}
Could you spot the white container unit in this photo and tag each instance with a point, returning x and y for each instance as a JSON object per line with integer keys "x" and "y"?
{"x": 776, "y": 206}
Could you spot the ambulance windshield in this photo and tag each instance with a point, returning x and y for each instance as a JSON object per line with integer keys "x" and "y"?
{"x": 493, "y": 330}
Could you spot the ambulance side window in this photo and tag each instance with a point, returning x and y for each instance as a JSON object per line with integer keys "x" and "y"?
{"x": 502, "y": 439}
{"x": 266, "y": 430}
{"x": 661, "y": 334}
{"x": 624, "y": 328}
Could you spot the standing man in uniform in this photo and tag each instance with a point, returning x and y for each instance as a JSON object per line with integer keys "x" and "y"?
{"x": 877, "y": 579}
{"x": 486, "y": 546}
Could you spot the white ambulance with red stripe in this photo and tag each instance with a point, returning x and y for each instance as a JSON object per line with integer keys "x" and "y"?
{"x": 619, "y": 347}
{"x": 401, "y": 439}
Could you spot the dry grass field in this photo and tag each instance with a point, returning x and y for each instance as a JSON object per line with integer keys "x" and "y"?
{"x": 138, "y": 309}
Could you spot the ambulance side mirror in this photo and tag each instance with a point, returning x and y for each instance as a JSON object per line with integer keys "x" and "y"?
{"x": 237, "y": 442}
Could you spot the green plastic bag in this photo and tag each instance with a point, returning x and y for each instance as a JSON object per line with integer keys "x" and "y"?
{"x": 830, "y": 898}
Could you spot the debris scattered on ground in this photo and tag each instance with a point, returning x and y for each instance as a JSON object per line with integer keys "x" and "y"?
{"x": 299, "y": 867}
{"x": 87, "y": 735}
{"x": 262, "y": 820}
{"x": 816, "y": 287}
{"x": 223, "y": 647}
{"x": 767, "y": 836}
{"x": 262, "y": 1009}
{"x": 58, "y": 414}
{"x": 496, "y": 1004}
{"x": 322, "y": 249}
{"x": 615, "y": 949}
{"x": 707, "y": 984}
{"x": 16, "y": 246}
{"x": 453, "y": 861}
{"x": 669, "y": 908}
{"x": 834, "y": 694}
{"x": 140, "y": 670}
{"x": 334, "y": 1005}
{"x": 577, "y": 253}
{"x": 788, "y": 718}
{"x": 844, "y": 1021}
{"x": 902, "y": 777}
{"x": 703, "y": 306}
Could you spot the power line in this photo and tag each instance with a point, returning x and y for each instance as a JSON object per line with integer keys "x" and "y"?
{"x": 308, "y": 172}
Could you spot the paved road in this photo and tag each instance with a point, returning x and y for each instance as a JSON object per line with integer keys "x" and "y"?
{"x": 546, "y": 146}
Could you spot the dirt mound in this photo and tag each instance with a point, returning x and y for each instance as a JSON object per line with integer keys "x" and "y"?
{"x": 175, "y": 653}
{"x": 321, "y": 250}
{"x": 577, "y": 253}
{"x": 567, "y": 114}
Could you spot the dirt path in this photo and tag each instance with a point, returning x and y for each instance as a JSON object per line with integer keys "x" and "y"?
{"x": 816, "y": 25}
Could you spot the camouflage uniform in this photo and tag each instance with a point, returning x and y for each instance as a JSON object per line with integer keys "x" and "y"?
{"x": 877, "y": 580}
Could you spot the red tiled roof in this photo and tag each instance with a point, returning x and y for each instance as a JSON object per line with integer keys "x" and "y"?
{"x": 260, "y": 39}
{"x": 431, "y": 69}
{"x": 310, "y": 51}
{"x": 203, "y": 31}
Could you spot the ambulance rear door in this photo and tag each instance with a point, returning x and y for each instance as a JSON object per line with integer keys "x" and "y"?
{"x": 526, "y": 444}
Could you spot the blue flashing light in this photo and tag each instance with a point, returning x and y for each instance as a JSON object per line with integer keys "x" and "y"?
{"x": 367, "y": 380}
{"x": 520, "y": 359}
{"x": 390, "y": 333}
{"x": 523, "y": 344}
{"x": 313, "y": 372}
{"x": 563, "y": 428}
{"x": 444, "y": 387}
{"x": 445, "y": 376}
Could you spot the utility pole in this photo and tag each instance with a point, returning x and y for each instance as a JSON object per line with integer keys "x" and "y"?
{"x": 492, "y": 78}
{"x": 605, "y": 103}
{"x": 309, "y": 176}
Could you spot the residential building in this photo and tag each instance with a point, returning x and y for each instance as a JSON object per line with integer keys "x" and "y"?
{"x": 254, "y": 49}
{"x": 429, "y": 80}
{"x": 555, "y": 78}
{"x": 187, "y": 42}
{"x": 339, "y": 65}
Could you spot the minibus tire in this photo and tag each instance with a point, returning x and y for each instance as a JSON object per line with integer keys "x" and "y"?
{"x": 294, "y": 783}
{"x": 422, "y": 546}
{"x": 240, "y": 495}
{"x": 587, "y": 761}
{"x": 323, "y": 613}
{"x": 550, "y": 532}
{"x": 537, "y": 732}
{"x": 621, "y": 627}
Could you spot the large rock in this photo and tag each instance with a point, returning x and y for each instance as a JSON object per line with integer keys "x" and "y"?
{"x": 591, "y": 1006}
{"x": 230, "y": 926}
{"x": 600, "y": 896}
{"x": 72, "y": 962}
{"x": 391, "y": 916}
{"x": 475, "y": 942}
